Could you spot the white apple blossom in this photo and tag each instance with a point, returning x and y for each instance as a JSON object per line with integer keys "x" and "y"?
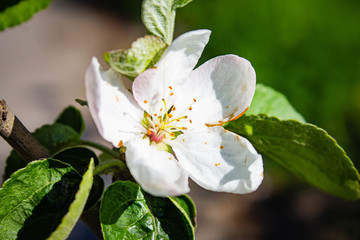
{"x": 171, "y": 123}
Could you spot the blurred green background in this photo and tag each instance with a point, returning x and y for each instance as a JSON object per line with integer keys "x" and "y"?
{"x": 308, "y": 50}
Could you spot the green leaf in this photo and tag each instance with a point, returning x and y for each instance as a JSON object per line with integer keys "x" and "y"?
{"x": 144, "y": 53}
{"x": 34, "y": 200}
{"x": 126, "y": 212}
{"x": 56, "y": 136}
{"x": 181, "y": 3}
{"x": 159, "y": 18}
{"x": 268, "y": 101}
{"x": 72, "y": 117}
{"x": 188, "y": 205}
{"x": 81, "y": 102}
{"x": 77, "y": 206}
{"x": 305, "y": 150}
{"x": 79, "y": 159}
{"x": 14, "y": 12}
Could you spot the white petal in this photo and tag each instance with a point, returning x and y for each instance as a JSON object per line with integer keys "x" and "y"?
{"x": 157, "y": 171}
{"x": 219, "y": 160}
{"x": 223, "y": 88}
{"x": 155, "y": 84}
{"x": 182, "y": 55}
{"x": 114, "y": 110}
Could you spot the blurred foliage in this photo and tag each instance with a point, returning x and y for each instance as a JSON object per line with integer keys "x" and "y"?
{"x": 307, "y": 50}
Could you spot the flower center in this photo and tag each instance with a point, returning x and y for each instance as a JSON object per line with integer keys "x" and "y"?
{"x": 163, "y": 126}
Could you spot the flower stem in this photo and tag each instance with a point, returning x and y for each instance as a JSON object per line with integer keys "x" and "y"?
{"x": 111, "y": 163}
{"x": 102, "y": 148}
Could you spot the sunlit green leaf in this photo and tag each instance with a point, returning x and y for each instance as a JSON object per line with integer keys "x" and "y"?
{"x": 268, "y": 101}
{"x": 77, "y": 206}
{"x": 35, "y": 198}
{"x": 126, "y": 212}
{"x": 144, "y": 53}
{"x": 304, "y": 149}
{"x": 159, "y": 18}
{"x": 14, "y": 12}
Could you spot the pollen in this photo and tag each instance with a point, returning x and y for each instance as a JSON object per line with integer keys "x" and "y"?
{"x": 117, "y": 98}
{"x": 170, "y": 87}
{"x": 170, "y": 115}
{"x": 120, "y": 144}
{"x": 170, "y": 158}
{"x": 205, "y": 142}
{"x": 171, "y": 93}
{"x": 173, "y": 108}
{"x": 217, "y": 164}
{"x": 145, "y": 101}
{"x": 148, "y": 115}
{"x": 149, "y": 132}
{"x": 172, "y": 134}
{"x": 178, "y": 120}
{"x": 194, "y": 99}
{"x": 183, "y": 140}
{"x": 190, "y": 121}
{"x": 221, "y": 147}
{"x": 155, "y": 114}
{"x": 161, "y": 109}
{"x": 190, "y": 108}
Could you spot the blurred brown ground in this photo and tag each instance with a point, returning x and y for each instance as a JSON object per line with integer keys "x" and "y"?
{"x": 42, "y": 66}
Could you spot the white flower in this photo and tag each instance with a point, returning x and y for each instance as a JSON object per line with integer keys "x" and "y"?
{"x": 171, "y": 123}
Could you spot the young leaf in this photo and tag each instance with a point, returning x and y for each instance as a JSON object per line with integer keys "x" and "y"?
{"x": 144, "y": 53}
{"x": 15, "y": 12}
{"x": 159, "y": 18}
{"x": 268, "y": 101}
{"x": 35, "y": 198}
{"x": 77, "y": 206}
{"x": 181, "y": 3}
{"x": 72, "y": 117}
{"x": 305, "y": 150}
{"x": 126, "y": 212}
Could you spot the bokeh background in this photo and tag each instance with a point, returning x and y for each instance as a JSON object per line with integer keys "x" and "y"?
{"x": 308, "y": 50}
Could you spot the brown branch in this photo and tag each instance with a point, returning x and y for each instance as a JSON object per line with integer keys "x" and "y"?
{"x": 15, "y": 134}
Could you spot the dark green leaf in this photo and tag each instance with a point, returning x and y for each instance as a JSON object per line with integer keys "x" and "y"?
{"x": 144, "y": 53}
{"x": 81, "y": 102}
{"x": 126, "y": 212}
{"x": 56, "y": 136}
{"x": 13, "y": 163}
{"x": 159, "y": 18}
{"x": 34, "y": 200}
{"x": 181, "y": 3}
{"x": 79, "y": 159}
{"x": 14, "y": 12}
{"x": 304, "y": 149}
{"x": 72, "y": 117}
{"x": 188, "y": 205}
{"x": 268, "y": 101}
{"x": 77, "y": 206}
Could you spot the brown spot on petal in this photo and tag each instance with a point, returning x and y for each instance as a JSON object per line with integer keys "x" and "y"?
{"x": 117, "y": 98}
{"x": 262, "y": 174}
{"x": 244, "y": 87}
{"x": 246, "y": 159}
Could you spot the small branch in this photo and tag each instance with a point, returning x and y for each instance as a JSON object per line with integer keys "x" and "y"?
{"x": 15, "y": 134}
